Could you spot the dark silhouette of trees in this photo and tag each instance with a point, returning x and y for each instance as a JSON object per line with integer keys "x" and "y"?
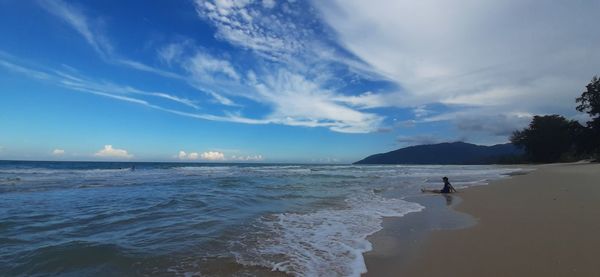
{"x": 548, "y": 138}
{"x": 553, "y": 138}
{"x": 589, "y": 102}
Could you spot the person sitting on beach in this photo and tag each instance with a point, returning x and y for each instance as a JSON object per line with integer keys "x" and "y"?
{"x": 448, "y": 188}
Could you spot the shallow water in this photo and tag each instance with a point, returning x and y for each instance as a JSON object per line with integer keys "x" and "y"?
{"x": 79, "y": 218}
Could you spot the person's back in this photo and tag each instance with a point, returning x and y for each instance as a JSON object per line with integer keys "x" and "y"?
{"x": 447, "y": 186}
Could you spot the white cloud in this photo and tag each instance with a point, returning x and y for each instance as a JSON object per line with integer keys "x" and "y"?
{"x": 84, "y": 84}
{"x": 185, "y": 156}
{"x": 509, "y": 56}
{"x": 294, "y": 99}
{"x": 248, "y": 158}
{"x": 419, "y": 140}
{"x": 212, "y": 156}
{"x": 421, "y": 111}
{"x": 58, "y": 152}
{"x": 76, "y": 19}
{"x": 90, "y": 31}
{"x": 326, "y": 160}
{"x": 300, "y": 102}
{"x": 269, "y": 4}
{"x": 109, "y": 152}
{"x": 144, "y": 67}
{"x": 203, "y": 66}
{"x": 280, "y": 37}
{"x": 504, "y": 57}
{"x": 209, "y": 156}
{"x": 193, "y": 156}
{"x": 295, "y": 82}
{"x": 243, "y": 24}
{"x": 472, "y": 122}
{"x": 173, "y": 52}
{"x": 25, "y": 71}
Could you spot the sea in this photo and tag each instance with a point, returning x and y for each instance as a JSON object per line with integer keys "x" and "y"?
{"x": 197, "y": 219}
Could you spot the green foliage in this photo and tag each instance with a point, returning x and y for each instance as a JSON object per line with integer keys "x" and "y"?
{"x": 553, "y": 138}
{"x": 547, "y": 138}
{"x": 589, "y": 102}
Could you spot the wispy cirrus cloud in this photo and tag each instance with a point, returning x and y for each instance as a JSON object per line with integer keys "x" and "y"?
{"x": 243, "y": 24}
{"x": 289, "y": 46}
{"x": 75, "y": 17}
{"x": 84, "y": 84}
{"x": 293, "y": 71}
{"x": 202, "y": 66}
{"x": 122, "y": 93}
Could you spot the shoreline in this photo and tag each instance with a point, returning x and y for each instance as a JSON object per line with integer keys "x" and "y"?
{"x": 541, "y": 223}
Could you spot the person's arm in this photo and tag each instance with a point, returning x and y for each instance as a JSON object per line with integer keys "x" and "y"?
{"x": 452, "y": 188}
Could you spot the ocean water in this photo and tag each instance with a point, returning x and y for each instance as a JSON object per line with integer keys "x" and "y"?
{"x": 175, "y": 219}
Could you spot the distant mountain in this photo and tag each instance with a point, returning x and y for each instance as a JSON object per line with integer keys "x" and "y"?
{"x": 447, "y": 153}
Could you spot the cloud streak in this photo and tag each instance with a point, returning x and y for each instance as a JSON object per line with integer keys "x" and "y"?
{"x": 74, "y": 17}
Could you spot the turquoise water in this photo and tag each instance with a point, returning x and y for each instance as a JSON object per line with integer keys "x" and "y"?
{"x": 173, "y": 219}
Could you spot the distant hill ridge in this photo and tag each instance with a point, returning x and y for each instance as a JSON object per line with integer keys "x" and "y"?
{"x": 446, "y": 153}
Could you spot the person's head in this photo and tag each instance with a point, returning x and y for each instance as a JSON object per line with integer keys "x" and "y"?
{"x": 445, "y": 179}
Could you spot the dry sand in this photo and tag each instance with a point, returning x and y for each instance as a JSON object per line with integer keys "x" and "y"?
{"x": 545, "y": 223}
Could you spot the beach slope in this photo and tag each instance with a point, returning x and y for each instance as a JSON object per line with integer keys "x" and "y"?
{"x": 545, "y": 223}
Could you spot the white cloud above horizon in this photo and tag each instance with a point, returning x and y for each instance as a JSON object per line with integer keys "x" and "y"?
{"x": 187, "y": 156}
{"x": 212, "y": 156}
{"x": 109, "y": 152}
{"x": 248, "y": 158}
{"x": 217, "y": 156}
{"x": 58, "y": 152}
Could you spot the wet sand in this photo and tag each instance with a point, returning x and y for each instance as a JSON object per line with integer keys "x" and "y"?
{"x": 545, "y": 223}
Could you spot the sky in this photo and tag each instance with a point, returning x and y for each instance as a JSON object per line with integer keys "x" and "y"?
{"x": 283, "y": 81}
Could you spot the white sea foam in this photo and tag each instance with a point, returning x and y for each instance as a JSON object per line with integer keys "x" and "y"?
{"x": 325, "y": 242}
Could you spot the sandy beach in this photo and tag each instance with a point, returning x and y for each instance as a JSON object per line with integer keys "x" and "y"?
{"x": 544, "y": 223}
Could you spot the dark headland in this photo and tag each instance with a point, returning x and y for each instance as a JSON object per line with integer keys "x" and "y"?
{"x": 447, "y": 153}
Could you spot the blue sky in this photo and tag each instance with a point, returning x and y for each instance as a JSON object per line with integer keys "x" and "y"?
{"x": 282, "y": 81}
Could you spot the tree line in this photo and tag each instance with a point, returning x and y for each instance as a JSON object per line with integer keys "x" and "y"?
{"x": 553, "y": 138}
